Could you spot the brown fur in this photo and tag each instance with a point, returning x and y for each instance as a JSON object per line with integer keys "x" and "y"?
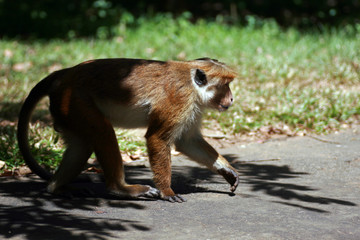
{"x": 88, "y": 99}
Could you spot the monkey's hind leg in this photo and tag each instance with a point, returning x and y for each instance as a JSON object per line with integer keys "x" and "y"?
{"x": 108, "y": 154}
{"x": 75, "y": 156}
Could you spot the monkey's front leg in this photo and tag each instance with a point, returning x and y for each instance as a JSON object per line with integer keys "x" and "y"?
{"x": 223, "y": 167}
{"x": 159, "y": 156}
{"x": 197, "y": 149}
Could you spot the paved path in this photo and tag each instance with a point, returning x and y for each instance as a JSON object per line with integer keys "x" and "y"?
{"x": 297, "y": 188}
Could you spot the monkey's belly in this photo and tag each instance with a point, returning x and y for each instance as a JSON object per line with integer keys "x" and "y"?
{"x": 125, "y": 116}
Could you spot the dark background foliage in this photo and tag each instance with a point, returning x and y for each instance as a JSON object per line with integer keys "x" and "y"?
{"x": 69, "y": 18}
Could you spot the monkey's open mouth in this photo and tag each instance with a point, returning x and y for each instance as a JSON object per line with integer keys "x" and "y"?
{"x": 223, "y": 107}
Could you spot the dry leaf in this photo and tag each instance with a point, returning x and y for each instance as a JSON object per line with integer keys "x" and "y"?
{"x": 5, "y": 123}
{"x": 8, "y": 53}
{"x": 135, "y": 157}
{"x": 7, "y": 173}
{"x": 174, "y": 152}
{"x": 94, "y": 169}
{"x": 92, "y": 161}
{"x": 126, "y": 158}
{"x": 54, "y": 67}
{"x": 150, "y": 50}
{"x": 24, "y": 170}
{"x": 119, "y": 39}
{"x": 181, "y": 56}
{"x": 22, "y": 67}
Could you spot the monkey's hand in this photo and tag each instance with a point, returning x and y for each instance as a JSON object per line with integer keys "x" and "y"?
{"x": 169, "y": 195}
{"x": 231, "y": 176}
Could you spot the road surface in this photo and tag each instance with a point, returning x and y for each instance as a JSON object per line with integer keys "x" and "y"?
{"x": 294, "y": 188}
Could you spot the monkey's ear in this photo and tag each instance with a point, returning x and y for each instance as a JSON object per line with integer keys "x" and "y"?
{"x": 208, "y": 59}
{"x": 199, "y": 77}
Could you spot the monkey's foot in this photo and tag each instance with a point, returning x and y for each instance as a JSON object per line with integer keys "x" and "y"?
{"x": 169, "y": 195}
{"x": 136, "y": 191}
{"x": 151, "y": 193}
{"x": 176, "y": 198}
{"x": 231, "y": 176}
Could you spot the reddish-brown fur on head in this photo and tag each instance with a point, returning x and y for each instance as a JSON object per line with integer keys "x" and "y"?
{"x": 216, "y": 93}
{"x": 214, "y": 69}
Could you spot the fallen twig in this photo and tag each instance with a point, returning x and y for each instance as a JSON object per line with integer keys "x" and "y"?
{"x": 262, "y": 160}
{"x": 323, "y": 140}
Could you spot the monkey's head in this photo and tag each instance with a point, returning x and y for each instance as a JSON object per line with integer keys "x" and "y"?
{"x": 211, "y": 80}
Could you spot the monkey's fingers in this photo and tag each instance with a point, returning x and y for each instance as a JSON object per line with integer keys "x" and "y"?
{"x": 234, "y": 186}
{"x": 176, "y": 198}
{"x": 236, "y": 183}
{"x": 231, "y": 176}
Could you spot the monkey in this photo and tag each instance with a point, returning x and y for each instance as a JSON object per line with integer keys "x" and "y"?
{"x": 168, "y": 97}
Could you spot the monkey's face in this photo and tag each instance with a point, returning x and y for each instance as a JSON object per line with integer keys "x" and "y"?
{"x": 223, "y": 97}
{"x": 213, "y": 93}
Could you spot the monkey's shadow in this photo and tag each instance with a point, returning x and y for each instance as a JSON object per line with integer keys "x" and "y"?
{"x": 27, "y": 210}
{"x": 184, "y": 180}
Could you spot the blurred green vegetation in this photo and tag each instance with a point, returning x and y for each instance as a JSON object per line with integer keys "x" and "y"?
{"x": 290, "y": 82}
{"x": 100, "y": 18}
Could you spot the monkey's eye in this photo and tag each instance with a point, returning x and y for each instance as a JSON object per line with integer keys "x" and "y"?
{"x": 200, "y": 77}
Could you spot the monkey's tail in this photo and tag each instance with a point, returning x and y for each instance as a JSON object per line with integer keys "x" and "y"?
{"x": 37, "y": 93}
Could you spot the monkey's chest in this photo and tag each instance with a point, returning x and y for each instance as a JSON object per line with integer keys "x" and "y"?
{"x": 125, "y": 116}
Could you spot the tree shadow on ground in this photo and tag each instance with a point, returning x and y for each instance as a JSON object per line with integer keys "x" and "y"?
{"x": 265, "y": 178}
{"x": 35, "y": 214}
{"x": 36, "y": 218}
{"x": 269, "y": 179}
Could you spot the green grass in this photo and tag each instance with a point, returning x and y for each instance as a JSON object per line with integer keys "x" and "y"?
{"x": 288, "y": 80}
